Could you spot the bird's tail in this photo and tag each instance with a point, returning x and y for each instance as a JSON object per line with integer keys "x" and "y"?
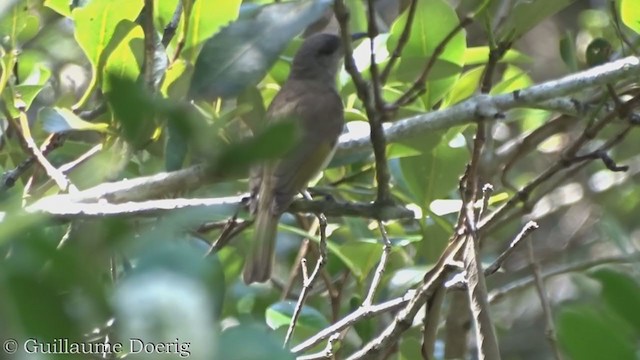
{"x": 257, "y": 268}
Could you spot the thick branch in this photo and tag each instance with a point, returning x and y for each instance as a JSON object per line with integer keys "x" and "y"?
{"x": 63, "y": 207}
{"x": 489, "y": 106}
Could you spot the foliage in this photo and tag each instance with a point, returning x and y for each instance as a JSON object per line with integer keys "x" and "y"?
{"x": 98, "y": 91}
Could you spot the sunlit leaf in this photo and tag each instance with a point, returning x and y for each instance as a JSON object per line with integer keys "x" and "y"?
{"x": 126, "y": 59}
{"x": 630, "y": 14}
{"x": 59, "y": 120}
{"x": 19, "y": 25}
{"x": 96, "y": 27}
{"x": 480, "y": 55}
{"x": 466, "y": 86}
{"x": 206, "y": 18}
{"x": 62, "y": 7}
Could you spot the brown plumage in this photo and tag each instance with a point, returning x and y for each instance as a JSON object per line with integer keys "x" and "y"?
{"x": 309, "y": 98}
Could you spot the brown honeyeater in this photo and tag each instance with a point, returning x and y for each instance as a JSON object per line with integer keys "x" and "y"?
{"x": 310, "y": 99}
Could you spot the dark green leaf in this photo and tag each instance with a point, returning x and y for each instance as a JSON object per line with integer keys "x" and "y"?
{"x": 240, "y": 54}
{"x": 133, "y": 110}
{"x": 586, "y": 334}
{"x": 526, "y": 14}
{"x": 360, "y": 256}
{"x": 621, "y": 293}
{"x": 250, "y": 343}
{"x": 281, "y": 313}
{"x": 568, "y": 52}
{"x": 272, "y": 143}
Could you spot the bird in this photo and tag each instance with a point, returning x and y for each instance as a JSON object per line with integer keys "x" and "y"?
{"x": 309, "y": 98}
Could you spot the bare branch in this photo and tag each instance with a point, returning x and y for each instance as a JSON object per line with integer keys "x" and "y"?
{"x": 550, "y": 329}
{"x": 376, "y": 118}
{"x": 402, "y": 42}
{"x": 497, "y": 264}
{"x": 498, "y": 294}
{"x": 377, "y": 277}
{"x": 308, "y": 280}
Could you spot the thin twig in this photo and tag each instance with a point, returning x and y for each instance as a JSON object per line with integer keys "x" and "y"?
{"x": 170, "y": 30}
{"x": 149, "y": 44}
{"x": 377, "y": 277}
{"x": 308, "y": 280}
{"x": 487, "y": 190}
{"x": 550, "y": 329}
{"x": 487, "y": 341}
{"x": 566, "y": 160}
{"x": 359, "y": 314}
{"x": 418, "y": 87}
{"x": 403, "y": 320}
{"x": 326, "y": 353}
{"x": 431, "y": 322}
{"x": 67, "y": 168}
{"x": 375, "y": 117}
{"x": 499, "y": 294}
{"x": 402, "y": 42}
{"x": 527, "y": 229}
{"x": 60, "y": 179}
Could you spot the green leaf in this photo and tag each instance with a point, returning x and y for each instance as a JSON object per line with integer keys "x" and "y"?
{"x": 163, "y": 13}
{"x": 271, "y": 143}
{"x": 465, "y": 87}
{"x": 513, "y": 79}
{"x": 59, "y": 120}
{"x": 133, "y": 109}
{"x": 205, "y": 19}
{"x": 434, "y": 20}
{"x": 96, "y": 26}
{"x": 434, "y": 173}
{"x": 360, "y": 256}
{"x": 480, "y": 55}
{"x": 62, "y": 7}
{"x": 630, "y": 14}
{"x": 250, "y": 343}
{"x": 241, "y": 54}
{"x": 586, "y": 334}
{"x": 22, "y": 96}
{"x": 176, "y": 80}
{"x": 20, "y": 25}
{"x": 176, "y": 148}
{"x": 281, "y": 313}
{"x": 126, "y": 59}
{"x": 5, "y": 5}
{"x": 526, "y": 14}
{"x": 568, "y": 52}
{"x": 621, "y": 293}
